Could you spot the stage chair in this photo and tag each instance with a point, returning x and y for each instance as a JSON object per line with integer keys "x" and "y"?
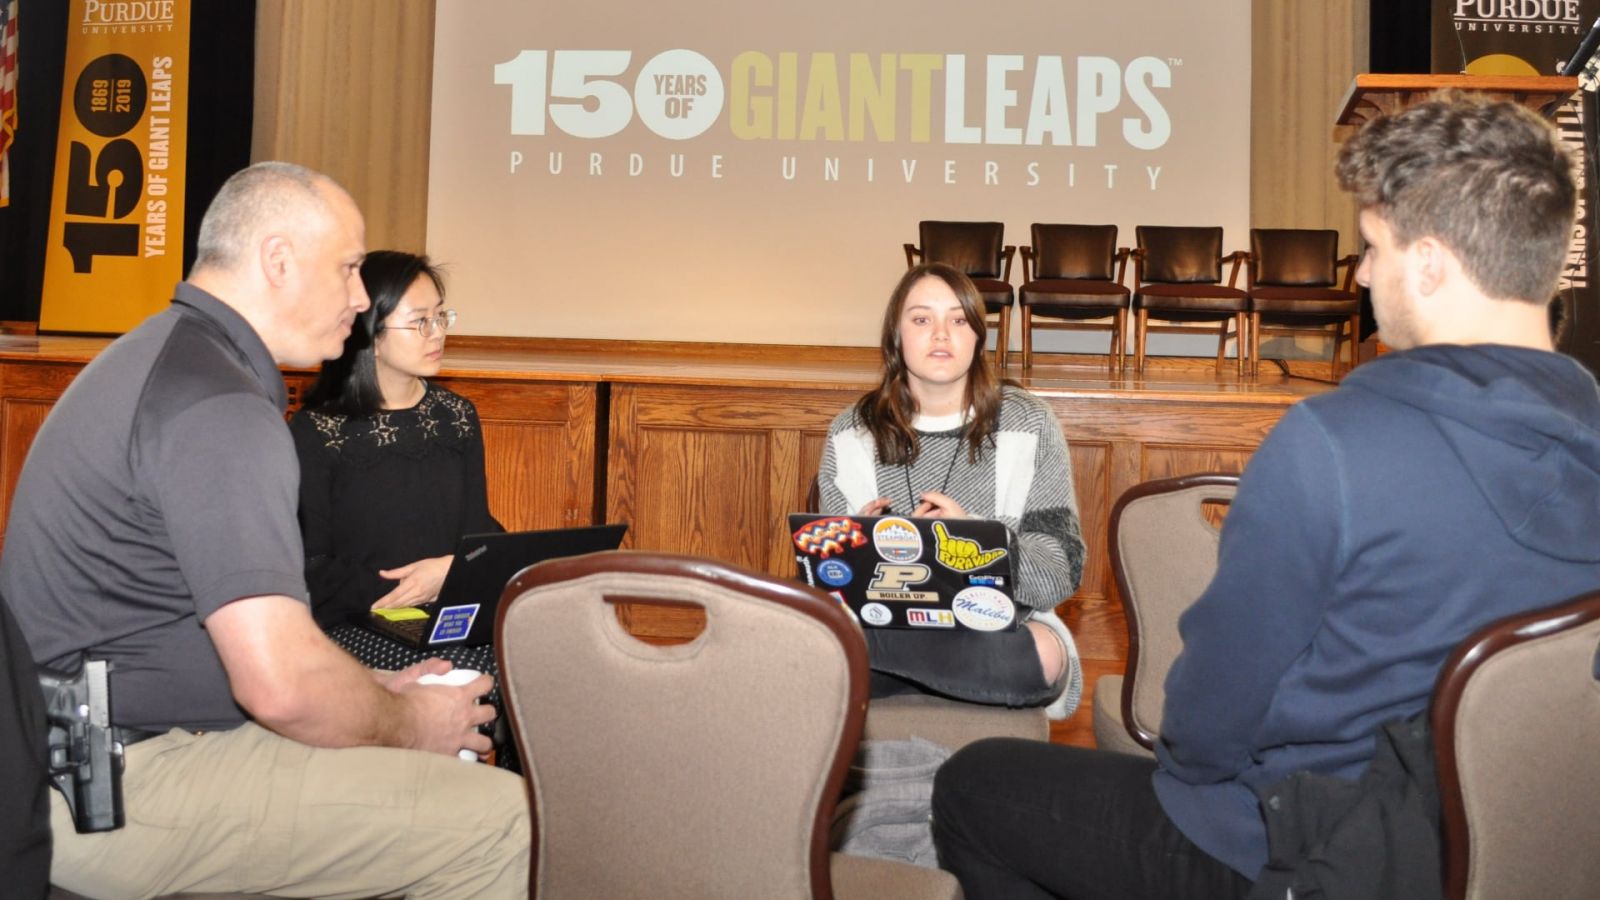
{"x": 1293, "y": 282}
{"x": 951, "y": 724}
{"x": 705, "y": 769}
{"x": 1516, "y": 720}
{"x": 979, "y": 250}
{"x": 1163, "y": 552}
{"x": 1178, "y": 278}
{"x": 1073, "y": 274}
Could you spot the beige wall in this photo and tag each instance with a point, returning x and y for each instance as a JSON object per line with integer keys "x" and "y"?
{"x": 1303, "y": 58}
{"x": 344, "y": 87}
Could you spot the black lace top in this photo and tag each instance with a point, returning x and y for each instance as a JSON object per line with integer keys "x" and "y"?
{"x": 382, "y": 491}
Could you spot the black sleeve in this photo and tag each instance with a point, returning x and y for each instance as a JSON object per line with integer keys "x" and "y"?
{"x": 477, "y": 519}
{"x": 341, "y": 592}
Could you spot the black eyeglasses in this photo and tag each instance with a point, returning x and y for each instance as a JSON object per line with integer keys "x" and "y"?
{"x": 428, "y": 326}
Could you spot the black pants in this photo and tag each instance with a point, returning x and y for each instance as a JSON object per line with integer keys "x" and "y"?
{"x": 1019, "y": 819}
{"x": 999, "y": 668}
{"x": 24, "y": 795}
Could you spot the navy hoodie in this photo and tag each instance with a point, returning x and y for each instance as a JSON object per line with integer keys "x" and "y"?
{"x": 1438, "y": 489}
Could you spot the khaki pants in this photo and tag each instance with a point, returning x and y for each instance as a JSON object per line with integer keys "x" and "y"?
{"x": 246, "y": 810}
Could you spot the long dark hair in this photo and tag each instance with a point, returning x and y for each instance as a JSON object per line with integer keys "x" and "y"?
{"x": 349, "y": 385}
{"x": 888, "y": 409}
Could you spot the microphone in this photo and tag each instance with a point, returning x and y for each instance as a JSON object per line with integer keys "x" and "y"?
{"x": 1585, "y": 50}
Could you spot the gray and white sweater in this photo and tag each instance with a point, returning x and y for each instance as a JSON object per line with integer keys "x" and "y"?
{"x": 1024, "y": 480}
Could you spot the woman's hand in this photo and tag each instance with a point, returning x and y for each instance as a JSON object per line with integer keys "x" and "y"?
{"x": 876, "y": 507}
{"x": 935, "y": 505}
{"x": 419, "y": 582}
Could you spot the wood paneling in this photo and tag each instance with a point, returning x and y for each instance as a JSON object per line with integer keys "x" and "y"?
{"x": 714, "y": 471}
{"x": 539, "y": 450}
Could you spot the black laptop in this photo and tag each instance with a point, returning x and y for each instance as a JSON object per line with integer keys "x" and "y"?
{"x": 484, "y": 564}
{"x": 899, "y": 572}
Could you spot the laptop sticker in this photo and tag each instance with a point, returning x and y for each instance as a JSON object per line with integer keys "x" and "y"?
{"x": 897, "y": 540}
{"x": 990, "y": 580}
{"x": 983, "y": 609}
{"x": 891, "y": 580}
{"x": 876, "y": 614}
{"x": 930, "y": 618}
{"x": 834, "y": 572}
{"x": 961, "y": 554}
{"x": 454, "y": 624}
{"x": 825, "y": 537}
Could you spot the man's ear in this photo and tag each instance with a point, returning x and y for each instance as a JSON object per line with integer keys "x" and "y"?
{"x": 1430, "y": 264}
{"x": 277, "y": 260}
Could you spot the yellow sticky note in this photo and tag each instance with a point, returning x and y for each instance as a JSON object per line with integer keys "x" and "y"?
{"x": 402, "y": 614}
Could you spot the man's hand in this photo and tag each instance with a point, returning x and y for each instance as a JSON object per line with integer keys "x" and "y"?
{"x": 419, "y": 583}
{"x": 446, "y": 718}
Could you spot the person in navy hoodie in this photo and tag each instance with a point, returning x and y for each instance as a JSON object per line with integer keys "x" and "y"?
{"x": 1442, "y": 486}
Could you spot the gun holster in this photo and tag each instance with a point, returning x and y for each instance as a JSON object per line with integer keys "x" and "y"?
{"x": 85, "y": 750}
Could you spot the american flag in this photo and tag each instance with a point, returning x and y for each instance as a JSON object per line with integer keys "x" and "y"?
{"x": 8, "y": 95}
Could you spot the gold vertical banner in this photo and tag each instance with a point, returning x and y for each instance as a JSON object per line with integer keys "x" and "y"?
{"x": 116, "y": 217}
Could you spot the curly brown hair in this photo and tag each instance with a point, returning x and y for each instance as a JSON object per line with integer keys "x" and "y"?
{"x": 1491, "y": 181}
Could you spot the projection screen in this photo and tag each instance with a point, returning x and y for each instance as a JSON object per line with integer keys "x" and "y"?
{"x": 748, "y": 172}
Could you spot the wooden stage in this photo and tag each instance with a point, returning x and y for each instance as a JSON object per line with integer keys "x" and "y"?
{"x": 704, "y": 449}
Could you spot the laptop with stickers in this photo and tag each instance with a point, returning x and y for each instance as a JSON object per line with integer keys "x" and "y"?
{"x": 899, "y": 572}
{"x": 484, "y": 564}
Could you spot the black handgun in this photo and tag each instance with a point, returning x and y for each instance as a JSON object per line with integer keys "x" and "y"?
{"x": 85, "y": 753}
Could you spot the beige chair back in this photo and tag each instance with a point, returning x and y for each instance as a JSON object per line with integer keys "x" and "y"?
{"x": 707, "y": 769}
{"x": 1164, "y": 552}
{"x": 1516, "y": 723}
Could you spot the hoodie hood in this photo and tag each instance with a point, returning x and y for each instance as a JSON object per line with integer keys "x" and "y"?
{"x": 1523, "y": 424}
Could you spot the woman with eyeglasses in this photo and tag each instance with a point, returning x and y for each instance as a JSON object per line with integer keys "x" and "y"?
{"x": 391, "y": 466}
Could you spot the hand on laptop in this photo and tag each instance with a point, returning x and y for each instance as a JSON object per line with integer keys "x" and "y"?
{"x": 419, "y": 582}
{"x": 934, "y": 505}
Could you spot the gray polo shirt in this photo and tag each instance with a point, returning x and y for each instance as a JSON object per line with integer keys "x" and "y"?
{"x": 162, "y": 487}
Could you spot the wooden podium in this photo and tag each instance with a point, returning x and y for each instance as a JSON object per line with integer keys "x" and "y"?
{"x": 1372, "y": 95}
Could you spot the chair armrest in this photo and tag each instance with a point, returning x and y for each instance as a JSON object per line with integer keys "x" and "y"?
{"x": 1006, "y": 255}
{"x": 1137, "y": 255}
{"x": 1027, "y": 263}
{"x": 912, "y": 255}
{"x": 1349, "y": 264}
{"x": 1236, "y": 257}
{"x": 1249, "y": 271}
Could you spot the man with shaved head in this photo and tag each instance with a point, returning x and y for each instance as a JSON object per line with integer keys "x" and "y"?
{"x": 154, "y": 526}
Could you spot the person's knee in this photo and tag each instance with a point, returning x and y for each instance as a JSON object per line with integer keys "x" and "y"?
{"x": 966, "y": 771}
{"x": 1052, "y": 652}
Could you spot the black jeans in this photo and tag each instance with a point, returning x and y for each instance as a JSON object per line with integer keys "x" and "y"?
{"x": 999, "y": 668}
{"x": 1019, "y": 819}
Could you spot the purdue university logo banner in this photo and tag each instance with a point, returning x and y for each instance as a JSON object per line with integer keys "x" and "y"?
{"x": 116, "y": 218}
